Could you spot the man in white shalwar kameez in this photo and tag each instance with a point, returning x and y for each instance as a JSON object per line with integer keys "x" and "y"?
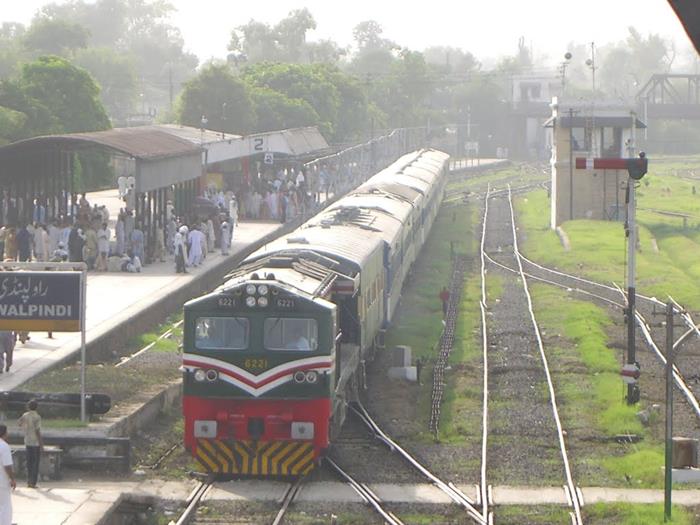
{"x": 225, "y": 237}
{"x": 197, "y": 240}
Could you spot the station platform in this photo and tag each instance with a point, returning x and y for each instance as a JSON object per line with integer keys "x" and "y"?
{"x": 76, "y": 503}
{"x": 114, "y": 298}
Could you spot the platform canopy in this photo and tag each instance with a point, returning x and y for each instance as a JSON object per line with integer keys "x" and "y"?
{"x": 162, "y": 159}
{"x": 220, "y": 147}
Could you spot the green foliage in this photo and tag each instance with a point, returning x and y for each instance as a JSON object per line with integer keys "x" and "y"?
{"x": 219, "y": 96}
{"x": 634, "y": 514}
{"x": 284, "y": 42}
{"x": 69, "y": 92}
{"x": 276, "y": 111}
{"x": 55, "y": 36}
{"x": 36, "y": 118}
{"x": 299, "y": 81}
{"x": 598, "y": 247}
{"x": 139, "y": 31}
{"x": 10, "y": 121}
{"x": 642, "y": 467}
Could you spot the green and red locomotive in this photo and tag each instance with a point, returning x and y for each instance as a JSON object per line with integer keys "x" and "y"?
{"x": 272, "y": 356}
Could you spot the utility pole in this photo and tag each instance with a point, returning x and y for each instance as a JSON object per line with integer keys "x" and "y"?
{"x": 632, "y": 389}
{"x": 571, "y": 163}
{"x": 170, "y": 86}
{"x": 668, "y": 477}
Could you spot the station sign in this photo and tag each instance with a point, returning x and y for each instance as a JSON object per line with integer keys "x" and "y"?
{"x": 40, "y": 301}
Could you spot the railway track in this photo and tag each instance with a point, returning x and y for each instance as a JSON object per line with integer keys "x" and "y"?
{"x": 573, "y": 494}
{"x": 367, "y": 495}
{"x": 192, "y": 502}
{"x": 448, "y": 488}
{"x": 605, "y": 293}
{"x": 287, "y": 500}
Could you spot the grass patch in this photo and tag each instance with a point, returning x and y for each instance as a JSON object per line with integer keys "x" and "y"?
{"x": 532, "y": 515}
{"x": 641, "y": 467}
{"x": 594, "y": 398}
{"x": 633, "y": 514}
{"x": 598, "y": 247}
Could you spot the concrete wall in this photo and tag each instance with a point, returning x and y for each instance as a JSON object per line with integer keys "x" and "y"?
{"x": 596, "y": 194}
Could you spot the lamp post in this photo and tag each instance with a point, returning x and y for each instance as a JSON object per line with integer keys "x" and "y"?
{"x": 562, "y": 69}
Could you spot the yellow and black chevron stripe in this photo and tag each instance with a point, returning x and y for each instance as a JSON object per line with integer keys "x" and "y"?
{"x": 254, "y": 458}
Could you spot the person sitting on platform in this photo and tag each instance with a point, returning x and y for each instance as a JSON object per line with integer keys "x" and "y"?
{"x": 131, "y": 263}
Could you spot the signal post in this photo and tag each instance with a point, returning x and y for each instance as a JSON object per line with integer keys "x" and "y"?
{"x": 636, "y": 169}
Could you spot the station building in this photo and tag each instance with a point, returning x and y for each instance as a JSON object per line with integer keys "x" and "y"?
{"x": 590, "y": 131}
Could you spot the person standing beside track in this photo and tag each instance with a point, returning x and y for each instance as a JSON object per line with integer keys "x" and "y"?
{"x": 445, "y": 298}
{"x": 30, "y": 422}
{"x": 7, "y": 479}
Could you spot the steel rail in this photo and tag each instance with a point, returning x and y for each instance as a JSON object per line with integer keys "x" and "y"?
{"x": 483, "y": 486}
{"x": 653, "y": 300}
{"x": 677, "y": 375}
{"x": 685, "y": 315}
{"x": 455, "y": 494}
{"x": 554, "y": 283}
{"x": 289, "y": 496}
{"x": 150, "y": 345}
{"x": 573, "y": 493}
{"x": 193, "y": 501}
{"x": 369, "y": 497}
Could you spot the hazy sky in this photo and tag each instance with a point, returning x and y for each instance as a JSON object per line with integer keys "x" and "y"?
{"x": 487, "y": 28}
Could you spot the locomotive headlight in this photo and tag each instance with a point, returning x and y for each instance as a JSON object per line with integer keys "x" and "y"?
{"x": 212, "y": 375}
{"x": 262, "y": 289}
{"x": 262, "y": 301}
{"x": 311, "y": 377}
{"x": 299, "y": 377}
{"x": 250, "y": 289}
{"x": 200, "y": 375}
{"x": 250, "y": 301}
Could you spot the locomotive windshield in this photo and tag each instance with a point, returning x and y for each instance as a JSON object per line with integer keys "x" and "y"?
{"x": 283, "y": 333}
{"x": 221, "y": 333}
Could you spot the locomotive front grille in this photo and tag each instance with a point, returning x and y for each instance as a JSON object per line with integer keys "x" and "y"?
{"x": 254, "y": 458}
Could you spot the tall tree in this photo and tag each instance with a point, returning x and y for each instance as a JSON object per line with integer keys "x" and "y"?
{"x": 276, "y": 111}
{"x": 374, "y": 54}
{"x": 451, "y": 60}
{"x": 298, "y": 81}
{"x": 69, "y": 91}
{"x": 115, "y": 74}
{"x": 630, "y": 63}
{"x": 283, "y": 42}
{"x": 11, "y": 50}
{"x": 223, "y": 99}
{"x": 55, "y": 37}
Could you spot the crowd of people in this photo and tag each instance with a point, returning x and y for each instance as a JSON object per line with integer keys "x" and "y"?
{"x": 82, "y": 232}
{"x": 79, "y": 235}
{"x": 84, "y": 235}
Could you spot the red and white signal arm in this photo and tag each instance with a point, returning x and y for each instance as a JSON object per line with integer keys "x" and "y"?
{"x": 630, "y": 373}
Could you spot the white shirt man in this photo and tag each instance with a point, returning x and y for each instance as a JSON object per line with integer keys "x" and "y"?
{"x": 7, "y": 479}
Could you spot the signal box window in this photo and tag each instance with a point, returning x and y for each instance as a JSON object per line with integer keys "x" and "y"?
{"x": 221, "y": 333}
{"x": 291, "y": 334}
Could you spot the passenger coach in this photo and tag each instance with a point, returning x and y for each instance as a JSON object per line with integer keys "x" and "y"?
{"x": 272, "y": 356}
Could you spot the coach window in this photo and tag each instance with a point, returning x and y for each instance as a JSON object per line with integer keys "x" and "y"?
{"x": 221, "y": 333}
{"x": 283, "y": 333}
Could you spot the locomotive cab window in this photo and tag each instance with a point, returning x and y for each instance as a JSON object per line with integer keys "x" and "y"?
{"x": 221, "y": 333}
{"x": 283, "y": 333}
